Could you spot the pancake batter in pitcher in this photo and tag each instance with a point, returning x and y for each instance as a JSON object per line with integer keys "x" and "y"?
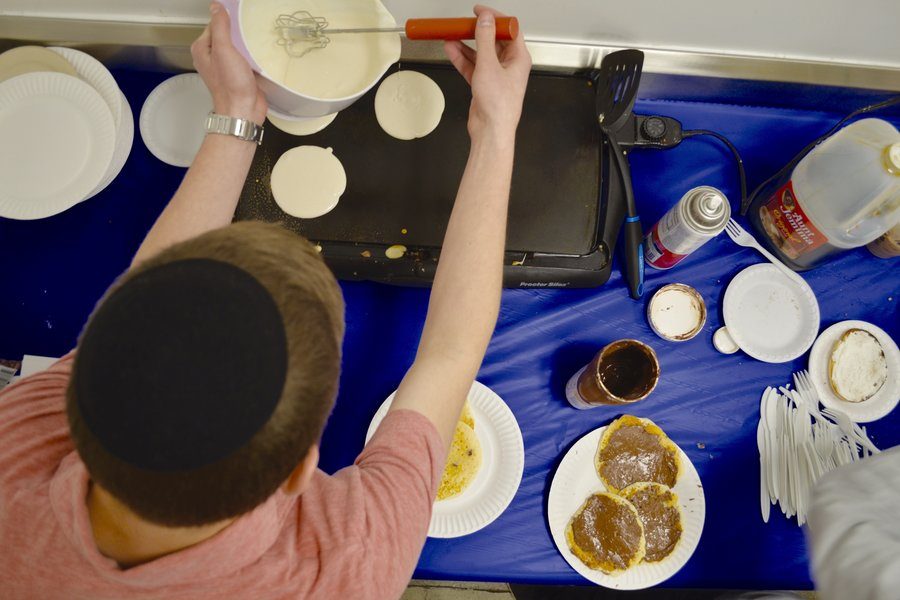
{"x": 346, "y": 66}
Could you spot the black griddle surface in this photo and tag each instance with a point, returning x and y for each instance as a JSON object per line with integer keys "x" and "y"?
{"x": 395, "y": 185}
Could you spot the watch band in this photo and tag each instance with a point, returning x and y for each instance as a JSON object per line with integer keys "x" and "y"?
{"x": 243, "y": 129}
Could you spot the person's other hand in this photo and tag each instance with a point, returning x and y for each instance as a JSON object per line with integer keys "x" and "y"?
{"x": 498, "y": 73}
{"x": 226, "y": 72}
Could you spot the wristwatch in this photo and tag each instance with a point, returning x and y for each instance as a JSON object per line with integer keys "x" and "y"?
{"x": 243, "y": 129}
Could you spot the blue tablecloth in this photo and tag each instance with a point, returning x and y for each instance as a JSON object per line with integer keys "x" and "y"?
{"x": 54, "y": 270}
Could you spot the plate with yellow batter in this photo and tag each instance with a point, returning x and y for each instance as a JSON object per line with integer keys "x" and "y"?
{"x": 583, "y": 523}
{"x": 484, "y": 466}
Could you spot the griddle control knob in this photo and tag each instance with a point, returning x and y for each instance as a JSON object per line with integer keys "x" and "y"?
{"x": 653, "y": 128}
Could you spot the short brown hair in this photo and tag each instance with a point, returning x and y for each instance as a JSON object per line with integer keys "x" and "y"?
{"x": 309, "y": 300}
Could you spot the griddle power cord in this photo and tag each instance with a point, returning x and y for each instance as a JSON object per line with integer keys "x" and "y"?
{"x": 734, "y": 151}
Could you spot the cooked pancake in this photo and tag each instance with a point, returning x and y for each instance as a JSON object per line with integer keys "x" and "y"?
{"x": 857, "y": 368}
{"x": 660, "y": 514}
{"x": 463, "y": 462}
{"x": 606, "y": 534}
{"x": 634, "y": 449}
{"x": 467, "y": 417}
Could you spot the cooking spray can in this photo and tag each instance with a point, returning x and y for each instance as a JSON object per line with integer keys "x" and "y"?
{"x": 699, "y": 216}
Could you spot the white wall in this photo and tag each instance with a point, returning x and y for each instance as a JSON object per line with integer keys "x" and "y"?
{"x": 849, "y": 31}
{"x": 855, "y": 31}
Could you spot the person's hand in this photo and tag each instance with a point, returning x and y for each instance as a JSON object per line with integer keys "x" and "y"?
{"x": 498, "y": 74}
{"x": 226, "y": 72}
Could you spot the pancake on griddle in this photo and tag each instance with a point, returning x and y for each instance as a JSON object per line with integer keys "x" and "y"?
{"x": 634, "y": 449}
{"x": 463, "y": 462}
{"x": 606, "y": 534}
{"x": 660, "y": 514}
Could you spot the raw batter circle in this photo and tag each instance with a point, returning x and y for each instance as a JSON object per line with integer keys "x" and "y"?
{"x": 307, "y": 181}
{"x": 301, "y": 126}
{"x": 409, "y": 105}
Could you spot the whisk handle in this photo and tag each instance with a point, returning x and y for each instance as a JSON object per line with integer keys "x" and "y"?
{"x": 458, "y": 29}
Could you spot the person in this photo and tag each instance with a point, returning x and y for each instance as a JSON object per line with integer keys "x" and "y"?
{"x": 173, "y": 453}
{"x": 853, "y": 533}
{"x": 854, "y": 530}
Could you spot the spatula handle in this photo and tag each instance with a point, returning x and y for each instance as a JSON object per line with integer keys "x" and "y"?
{"x": 458, "y": 29}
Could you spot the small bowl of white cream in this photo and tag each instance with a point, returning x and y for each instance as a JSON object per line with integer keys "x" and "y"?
{"x": 676, "y": 312}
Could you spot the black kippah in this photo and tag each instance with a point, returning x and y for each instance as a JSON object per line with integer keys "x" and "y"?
{"x": 182, "y": 365}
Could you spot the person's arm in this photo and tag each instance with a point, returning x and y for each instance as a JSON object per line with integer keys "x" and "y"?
{"x": 209, "y": 193}
{"x": 465, "y": 297}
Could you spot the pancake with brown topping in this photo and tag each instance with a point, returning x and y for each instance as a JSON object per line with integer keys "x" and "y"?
{"x": 660, "y": 514}
{"x": 606, "y": 534}
{"x": 634, "y": 449}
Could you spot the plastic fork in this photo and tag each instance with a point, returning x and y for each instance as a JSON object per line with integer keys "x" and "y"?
{"x": 823, "y": 443}
{"x": 742, "y": 237}
{"x": 804, "y": 388}
{"x": 853, "y": 431}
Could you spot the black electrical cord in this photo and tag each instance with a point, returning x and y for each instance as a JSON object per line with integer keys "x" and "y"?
{"x": 742, "y": 176}
{"x": 816, "y": 142}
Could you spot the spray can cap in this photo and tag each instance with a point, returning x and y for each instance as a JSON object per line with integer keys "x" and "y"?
{"x": 711, "y": 204}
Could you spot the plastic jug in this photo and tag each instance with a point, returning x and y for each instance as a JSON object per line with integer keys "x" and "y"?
{"x": 843, "y": 194}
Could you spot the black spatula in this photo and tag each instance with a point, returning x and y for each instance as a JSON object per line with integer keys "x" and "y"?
{"x": 617, "y": 83}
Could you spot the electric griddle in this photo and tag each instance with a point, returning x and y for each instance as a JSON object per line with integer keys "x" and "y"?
{"x": 564, "y": 214}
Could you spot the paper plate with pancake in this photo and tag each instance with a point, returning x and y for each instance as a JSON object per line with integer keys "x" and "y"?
{"x": 855, "y": 367}
{"x": 484, "y": 467}
{"x": 593, "y": 523}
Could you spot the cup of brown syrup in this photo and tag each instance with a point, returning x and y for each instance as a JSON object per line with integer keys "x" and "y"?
{"x": 623, "y": 372}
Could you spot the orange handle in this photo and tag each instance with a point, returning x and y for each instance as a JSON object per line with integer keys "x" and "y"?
{"x": 458, "y": 29}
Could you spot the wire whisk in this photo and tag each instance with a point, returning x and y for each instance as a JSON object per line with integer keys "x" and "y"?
{"x": 300, "y": 33}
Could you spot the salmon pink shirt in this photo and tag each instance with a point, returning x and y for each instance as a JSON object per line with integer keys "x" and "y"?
{"x": 356, "y": 534}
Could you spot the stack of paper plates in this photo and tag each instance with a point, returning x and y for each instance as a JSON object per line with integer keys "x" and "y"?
{"x": 65, "y": 130}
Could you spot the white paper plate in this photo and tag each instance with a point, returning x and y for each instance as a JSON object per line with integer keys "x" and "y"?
{"x": 501, "y": 469}
{"x": 57, "y": 137}
{"x": 879, "y": 405}
{"x": 124, "y": 143}
{"x": 32, "y": 59}
{"x": 771, "y": 317}
{"x": 576, "y": 479}
{"x": 173, "y": 116}
{"x": 92, "y": 71}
